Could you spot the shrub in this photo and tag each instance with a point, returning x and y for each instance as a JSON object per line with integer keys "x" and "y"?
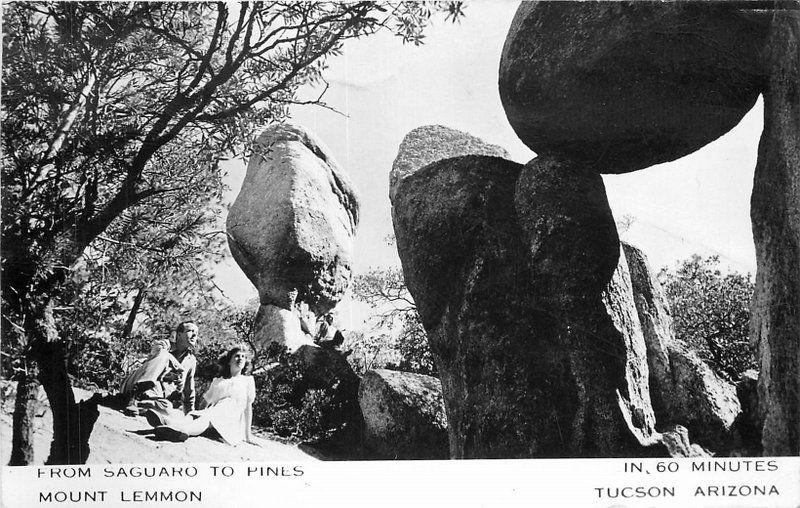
{"x": 711, "y": 312}
{"x": 291, "y": 403}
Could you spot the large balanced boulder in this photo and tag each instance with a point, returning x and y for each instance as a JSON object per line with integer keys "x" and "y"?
{"x": 684, "y": 390}
{"x": 431, "y": 143}
{"x": 404, "y": 415}
{"x": 625, "y": 85}
{"x": 291, "y": 227}
{"x": 525, "y": 372}
{"x": 775, "y": 214}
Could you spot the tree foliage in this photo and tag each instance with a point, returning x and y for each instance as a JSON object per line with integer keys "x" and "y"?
{"x": 397, "y": 325}
{"x": 114, "y": 116}
{"x": 711, "y": 312}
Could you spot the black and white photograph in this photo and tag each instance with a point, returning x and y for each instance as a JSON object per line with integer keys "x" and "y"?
{"x": 303, "y": 242}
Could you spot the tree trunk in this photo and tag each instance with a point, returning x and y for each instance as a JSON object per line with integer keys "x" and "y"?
{"x": 137, "y": 303}
{"x": 72, "y": 423}
{"x": 25, "y": 405}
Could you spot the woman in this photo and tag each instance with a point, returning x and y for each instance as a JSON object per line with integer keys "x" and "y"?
{"x": 228, "y": 406}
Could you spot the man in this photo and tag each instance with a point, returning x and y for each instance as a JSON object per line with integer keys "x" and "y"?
{"x": 185, "y": 341}
{"x": 328, "y": 336}
{"x": 146, "y": 382}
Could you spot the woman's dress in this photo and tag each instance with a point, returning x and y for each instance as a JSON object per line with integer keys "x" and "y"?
{"x": 226, "y": 402}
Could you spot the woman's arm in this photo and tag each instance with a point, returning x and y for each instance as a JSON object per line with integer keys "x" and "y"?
{"x": 248, "y": 411}
{"x": 248, "y": 425}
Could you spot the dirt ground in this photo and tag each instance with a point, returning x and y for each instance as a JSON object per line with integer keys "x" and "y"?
{"x": 122, "y": 439}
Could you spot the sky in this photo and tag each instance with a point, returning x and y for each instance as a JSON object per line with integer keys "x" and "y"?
{"x": 697, "y": 204}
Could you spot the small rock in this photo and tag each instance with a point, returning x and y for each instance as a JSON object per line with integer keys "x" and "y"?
{"x": 676, "y": 440}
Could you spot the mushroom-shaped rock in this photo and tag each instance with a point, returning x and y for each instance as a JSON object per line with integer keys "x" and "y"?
{"x": 291, "y": 227}
{"x": 404, "y": 415}
{"x": 625, "y": 85}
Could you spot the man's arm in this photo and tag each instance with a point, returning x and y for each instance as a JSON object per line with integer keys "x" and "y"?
{"x": 189, "y": 387}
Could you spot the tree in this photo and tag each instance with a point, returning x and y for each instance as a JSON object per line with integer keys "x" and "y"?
{"x": 386, "y": 292}
{"x": 100, "y": 102}
{"x": 711, "y": 312}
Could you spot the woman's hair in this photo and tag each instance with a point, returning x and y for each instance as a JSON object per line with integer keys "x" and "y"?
{"x": 225, "y": 363}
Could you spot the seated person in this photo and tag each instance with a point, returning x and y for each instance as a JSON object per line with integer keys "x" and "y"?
{"x": 323, "y": 333}
{"x": 228, "y": 406}
{"x": 147, "y": 383}
{"x": 328, "y": 336}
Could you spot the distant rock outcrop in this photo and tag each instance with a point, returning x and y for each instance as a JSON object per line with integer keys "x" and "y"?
{"x": 403, "y": 415}
{"x": 684, "y": 390}
{"x": 432, "y": 143}
{"x": 700, "y": 400}
{"x": 291, "y": 227}
{"x": 625, "y": 85}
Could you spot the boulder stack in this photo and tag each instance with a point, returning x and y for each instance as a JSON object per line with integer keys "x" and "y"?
{"x": 548, "y": 337}
{"x": 291, "y": 227}
{"x": 521, "y": 375}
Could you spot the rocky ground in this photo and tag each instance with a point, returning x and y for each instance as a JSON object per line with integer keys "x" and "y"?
{"x": 121, "y": 439}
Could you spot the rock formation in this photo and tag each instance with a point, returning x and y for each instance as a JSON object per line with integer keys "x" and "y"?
{"x": 520, "y": 376}
{"x": 684, "y": 390}
{"x": 274, "y": 324}
{"x": 544, "y": 333}
{"x": 403, "y": 415}
{"x": 775, "y": 213}
{"x": 748, "y": 423}
{"x": 292, "y": 225}
{"x": 676, "y": 440}
{"x": 431, "y": 143}
{"x": 625, "y": 85}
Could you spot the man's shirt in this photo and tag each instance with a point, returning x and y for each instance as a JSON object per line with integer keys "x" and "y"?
{"x": 189, "y": 365}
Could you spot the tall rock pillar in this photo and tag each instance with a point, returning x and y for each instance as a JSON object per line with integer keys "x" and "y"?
{"x": 775, "y": 213}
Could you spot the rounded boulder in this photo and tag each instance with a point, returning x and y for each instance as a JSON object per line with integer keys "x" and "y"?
{"x": 626, "y": 85}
